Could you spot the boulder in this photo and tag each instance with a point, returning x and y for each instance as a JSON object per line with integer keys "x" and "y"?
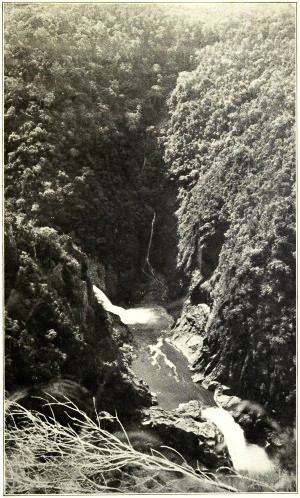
{"x": 210, "y": 385}
{"x": 192, "y": 408}
{"x": 183, "y": 429}
{"x": 198, "y": 377}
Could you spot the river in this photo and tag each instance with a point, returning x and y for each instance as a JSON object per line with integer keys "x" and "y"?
{"x": 161, "y": 365}
{"x": 165, "y": 369}
{"x": 156, "y": 361}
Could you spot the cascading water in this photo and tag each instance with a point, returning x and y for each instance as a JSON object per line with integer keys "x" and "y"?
{"x": 134, "y": 316}
{"x": 244, "y": 456}
{"x": 148, "y": 269}
{"x": 172, "y": 385}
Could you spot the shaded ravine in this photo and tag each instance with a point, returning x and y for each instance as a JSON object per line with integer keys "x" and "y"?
{"x": 156, "y": 361}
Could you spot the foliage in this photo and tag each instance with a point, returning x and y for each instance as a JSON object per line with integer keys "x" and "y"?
{"x": 230, "y": 147}
{"x": 54, "y": 325}
{"x": 85, "y": 87}
{"x": 90, "y": 154}
{"x": 85, "y": 97}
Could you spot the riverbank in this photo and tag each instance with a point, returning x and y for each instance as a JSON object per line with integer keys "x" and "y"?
{"x": 161, "y": 365}
{"x": 186, "y": 444}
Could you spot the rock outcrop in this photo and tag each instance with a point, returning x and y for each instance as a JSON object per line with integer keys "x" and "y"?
{"x": 189, "y": 330}
{"x": 183, "y": 429}
{"x": 259, "y": 427}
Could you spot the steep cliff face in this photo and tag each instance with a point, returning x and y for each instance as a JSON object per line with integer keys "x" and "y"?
{"x": 230, "y": 149}
{"x": 86, "y": 168}
{"x": 84, "y": 92}
{"x": 55, "y": 328}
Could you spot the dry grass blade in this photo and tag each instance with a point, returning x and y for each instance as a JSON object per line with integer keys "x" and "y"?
{"x": 43, "y": 456}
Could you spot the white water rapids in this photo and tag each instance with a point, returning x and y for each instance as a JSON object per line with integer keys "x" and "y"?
{"x": 132, "y": 316}
{"x": 245, "y": 457}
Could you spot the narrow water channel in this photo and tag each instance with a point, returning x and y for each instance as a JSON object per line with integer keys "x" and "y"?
{"x": 156, "y": 361}
{"x": 162, "y": 366}
{"x": 165, "y": 369}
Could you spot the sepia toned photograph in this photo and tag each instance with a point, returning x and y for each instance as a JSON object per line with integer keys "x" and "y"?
{"x": 149, "y": 242}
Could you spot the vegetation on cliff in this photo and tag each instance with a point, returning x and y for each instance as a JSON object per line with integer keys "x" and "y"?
{"x": 55, "y": 328}
{"x": 82, "y": 175}
{"x": 230, "y": 148}
{"x": 85, "y": 87}
{"x": 116, "y": 112}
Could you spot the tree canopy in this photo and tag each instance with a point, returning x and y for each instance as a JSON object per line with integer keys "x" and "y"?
{"x": 230, "y": 147}
{"x": 116, "y": 111}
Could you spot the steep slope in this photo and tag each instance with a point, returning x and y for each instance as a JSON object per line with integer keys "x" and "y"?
{"x": 85, "y": 87}
{"x": 230, "y": 149}
{"x": 120, "y": 178}
{"x": 85, "y": 96}
{"x": 55, "y": 327}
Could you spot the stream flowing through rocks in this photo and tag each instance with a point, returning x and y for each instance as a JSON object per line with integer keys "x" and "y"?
{"x": 165, "y": 370}
{"x": 162, "y": 366}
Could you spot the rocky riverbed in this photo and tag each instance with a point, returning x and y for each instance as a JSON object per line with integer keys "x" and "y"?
{"x": 163, "y": 357}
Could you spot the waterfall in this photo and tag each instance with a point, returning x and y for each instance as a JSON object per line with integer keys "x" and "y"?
{"x": 103, "y": 299}
{"x": 151, "y": 236}
{"x": 147, "y": 265}
{"x": 244, "y": 456}
{"x": 107, "y": 304}
{"x": 133, "y": 316}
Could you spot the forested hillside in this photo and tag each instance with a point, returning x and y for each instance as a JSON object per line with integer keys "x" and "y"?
{"x": 230, "y": 148}
{"x": 120, "y": 118}
{"x": 83, "y": 96}
{"x": 83, "y": 173}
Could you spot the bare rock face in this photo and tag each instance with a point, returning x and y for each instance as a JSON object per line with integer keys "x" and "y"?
{"x": 184, "y": 430}
{"x": 192, "y": 408}
{"x": 189, "y": 330}
{"x": 122, "y": 393}
{"x": 188, "y": 336}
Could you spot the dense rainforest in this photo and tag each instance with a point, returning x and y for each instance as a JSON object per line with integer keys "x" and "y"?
{"x": 230, "y": 146}
{"x": 119, "y": 115}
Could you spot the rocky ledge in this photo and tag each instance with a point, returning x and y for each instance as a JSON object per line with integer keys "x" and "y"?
{"x": 185, "y": 430}
{"x": 259, "y": 427}
{"x": 187, "y": 333}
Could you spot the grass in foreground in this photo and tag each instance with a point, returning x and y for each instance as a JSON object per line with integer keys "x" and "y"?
{"x": 44, "y": 457}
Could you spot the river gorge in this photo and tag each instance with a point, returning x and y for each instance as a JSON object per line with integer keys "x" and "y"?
{"x": 164, "y": 368}
{"x": 150, "y": 247}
